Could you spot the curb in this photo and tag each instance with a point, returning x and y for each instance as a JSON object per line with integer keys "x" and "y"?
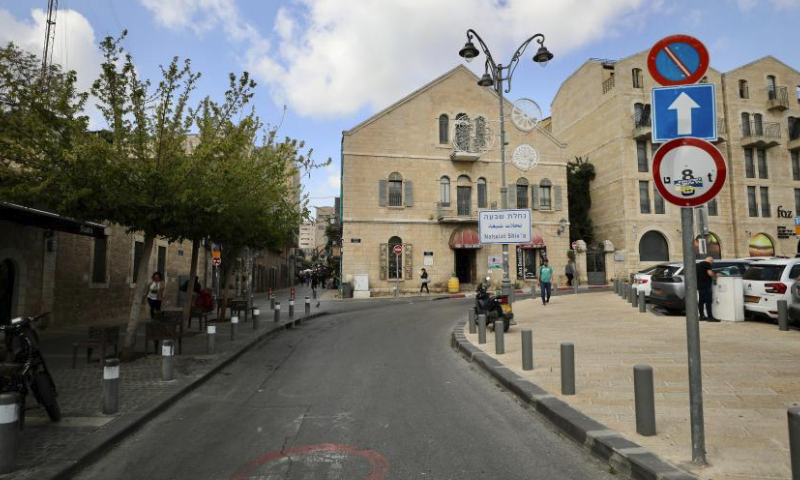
{"x": 624, "y": 455}
{"x": 94, "y": 445}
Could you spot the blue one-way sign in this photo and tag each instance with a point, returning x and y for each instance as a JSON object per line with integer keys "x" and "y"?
{"x": 684, "y": 111}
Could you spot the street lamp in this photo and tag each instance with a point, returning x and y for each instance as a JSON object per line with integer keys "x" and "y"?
{"x": 494, "y": 76}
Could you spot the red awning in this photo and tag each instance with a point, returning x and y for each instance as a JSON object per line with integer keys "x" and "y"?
{"x": 465, "y": 237}
{"x": 536, "y": 242}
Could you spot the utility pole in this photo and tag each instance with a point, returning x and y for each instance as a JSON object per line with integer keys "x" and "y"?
{"x": 49, "y": 41}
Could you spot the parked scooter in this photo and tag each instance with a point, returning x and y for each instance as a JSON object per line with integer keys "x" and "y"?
{"x": 495, "y": 307}
{"x": 28, "y": 373}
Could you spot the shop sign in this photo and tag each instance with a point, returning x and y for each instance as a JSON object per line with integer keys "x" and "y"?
{"x": 785, "y": 232}
{"x": 496, "y": 261}
{"x": 505, "y": 226}
{"x": 784, "y": 213}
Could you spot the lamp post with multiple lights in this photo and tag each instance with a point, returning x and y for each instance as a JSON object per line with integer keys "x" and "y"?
{"x": 494, "y": 76}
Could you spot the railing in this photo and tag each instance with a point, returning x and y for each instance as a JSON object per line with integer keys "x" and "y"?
{"x": 608, "y": 85}
{"x": 459, "y": 213}
{"x": 778, "y": 96}
{"x": 464, "y": 209}
{"x": 722, "y": 128}
{"x": 395, "y": 199}
{"x": 761, "y": 129}
{"x": 642, "y": 120}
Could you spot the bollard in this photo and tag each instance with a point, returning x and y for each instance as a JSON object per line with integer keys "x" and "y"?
{"x": 111, "y": 386}
{"x": 291, "y": 294}
{"x": 499, "y": 338}
{"x": 642, "y": 303}
{"x": 621, "y": 289}
{"x": 308, "y": 306}
{"x": 272, "y": 302}
{"x": 314, "y": 294}
{"x": 634, "y": 297}
{"x": 554, "y": 289}
{"x": 527, "y": 349}
{"x": 481, "y": 328}
{"x": 256, "y": 317}
{"x": 472, "y": 318}
{"x": 9, "y": 431}
{"x": 211, "y": 332}
{"x": 616, "y": 286}
{"x": 567, "y": 368}
{"x": 168, "y": 360}
{"x": 234, "y": 327}
{"x": 277, "y": 312}
{"x": 644, "y": 399}
{"x": 291, "y": 308}
{"x": 783, "y": 316}
{"x": 793, "y": 415}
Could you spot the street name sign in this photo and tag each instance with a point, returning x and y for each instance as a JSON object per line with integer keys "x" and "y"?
{"x": 684, "y": 111}
{"x": 688, "y": 172}
{"x": 677, "y": 60}
{"x": 504, "y": 226}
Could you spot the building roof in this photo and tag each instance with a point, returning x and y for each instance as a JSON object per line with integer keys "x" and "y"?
{"x": 768, "y": 57}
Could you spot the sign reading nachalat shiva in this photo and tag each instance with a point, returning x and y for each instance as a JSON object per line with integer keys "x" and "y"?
{"x": 505, "y": 226}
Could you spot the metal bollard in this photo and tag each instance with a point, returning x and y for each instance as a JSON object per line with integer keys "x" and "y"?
{"x": 277, "y": 312}
{"x": 616, "y": 286}
{"x": 272, "y": 302}
{"x": 644, "y": 399}
{"x": 168, "y": 360}
{"x": 632, "y": 296}
{"x": 234, "y": 327}
{"x": 314, "y": 294}
{"x": 211, "y": 332}
{"x": 9, "y": 431}
{"x": 256, "y": 318}
{"x": 793, "y": 415}
{"x": 527, "y": 349}
{"x": 567, "y": 368}
{"x": 499, "y": 336}
{"x": 472, "y": 318}
{"x": 642, "y": 303}
{"x": 111, "y": 386}
{"x": 291, "y": 308}
{"x": 783, "y": 316}
{"x": 481, "y": 328}
{"x": 308, "y": 306}
{"x": 621, "y": 292}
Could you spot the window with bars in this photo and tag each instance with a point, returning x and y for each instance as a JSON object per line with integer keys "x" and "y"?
{"x": 99, "y": 260}
{"x": 638, "y": 78}
{"x": 763, "y": 171}
{"x": 522, "y": 193}
{"x": 395, "y": 190}
{"x": 765, "y": 202}
{"x": 464, "y": 195}
{"x": 658, "y": 202}
{"x": 795, "y": 165}
{"x": 743, "y": 89}
{"x": 644, "y": 197}
{"x": 641, "y": 155}
{"x": 745, "y": 124}
{"x": 749, "y": 167}
{"x": 395, "y": 266}
{"x": 712, "y": 208}
{"x": 752, "y": 204}
{"x": 482, "y": 199}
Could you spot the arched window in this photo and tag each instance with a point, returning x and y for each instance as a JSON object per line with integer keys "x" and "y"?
{"x": 482, "y": 199}
{"x": 464, "y": 195}
{"x": 395, "y": 190}
{"x": 395, "y": 261}
{"x": 761, "y": 245}
{"x": 462, "y": 132}
{"x": 745, "y": 124}
{"x": 545, "y": 194}
{"x": 444, "y": 128}
{"x": 480, "y": 133}
{"x": 444, "y": 189}
{"x": 758, "y": 124}
{"x": 653, "y": 247}
{"x": 522, "y": 193}
{"x": 771, "y": 87}
{"x": 744, "y": 91}
{"x": 638, "y": 80}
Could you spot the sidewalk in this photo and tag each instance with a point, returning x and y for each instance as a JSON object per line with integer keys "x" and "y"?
{"x": 751, "y": 375}
{"x": 54, "y": 450}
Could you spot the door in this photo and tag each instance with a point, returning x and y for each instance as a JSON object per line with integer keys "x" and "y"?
{"x": 7, "y": 274}
{"x": 464, "y": 198}
{"x": 465, "y": 265}
{"x": 596, "y": 266}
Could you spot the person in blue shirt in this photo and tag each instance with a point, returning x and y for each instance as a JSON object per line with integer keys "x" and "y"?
{"x": 545, "y": 279}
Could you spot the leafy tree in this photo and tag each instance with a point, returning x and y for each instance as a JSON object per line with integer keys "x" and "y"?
{"x": 580, "y": 174}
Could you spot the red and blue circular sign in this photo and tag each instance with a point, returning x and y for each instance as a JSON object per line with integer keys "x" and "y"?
{"x": 677, "y": 60}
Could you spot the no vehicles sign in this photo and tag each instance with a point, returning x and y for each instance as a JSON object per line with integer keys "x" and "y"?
{"x": 688, "y": 172}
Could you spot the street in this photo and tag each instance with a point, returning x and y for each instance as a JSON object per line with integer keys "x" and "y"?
{"x": 368, "y": 394}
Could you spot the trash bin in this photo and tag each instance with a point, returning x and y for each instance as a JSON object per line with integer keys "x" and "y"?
{"x": 347, "y": 290}
{"x": 728, "y": 299}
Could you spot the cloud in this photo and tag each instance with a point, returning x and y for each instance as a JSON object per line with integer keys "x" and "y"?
{"x": 748, "y": 5}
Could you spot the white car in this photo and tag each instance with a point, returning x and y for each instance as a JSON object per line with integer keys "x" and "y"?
{"x": 642, "y": 280}
{"x": 767, "y": 282}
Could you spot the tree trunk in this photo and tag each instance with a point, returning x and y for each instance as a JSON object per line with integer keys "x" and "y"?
{"x": 228, "y": 279}
{"x": 139, "y": 293}
{"x": 187, "y": 308}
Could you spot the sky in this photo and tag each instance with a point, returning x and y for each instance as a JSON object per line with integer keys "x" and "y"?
{"x": 333, "y": 63}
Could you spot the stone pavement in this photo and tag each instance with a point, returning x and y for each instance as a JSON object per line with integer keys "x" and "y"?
{"x": 751, "y": 375}
{"x": 49, "y": 449}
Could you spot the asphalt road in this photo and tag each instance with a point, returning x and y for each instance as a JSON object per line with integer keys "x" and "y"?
{"x": 372, "y": 394}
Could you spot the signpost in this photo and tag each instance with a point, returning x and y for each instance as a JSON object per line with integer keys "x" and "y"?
{"x": 398, "y": 250}
{"x": 684, "y": 111}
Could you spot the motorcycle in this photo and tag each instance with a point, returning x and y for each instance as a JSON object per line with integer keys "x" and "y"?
{"x": 28, "y": 373}
{"x": 495, "y": 307}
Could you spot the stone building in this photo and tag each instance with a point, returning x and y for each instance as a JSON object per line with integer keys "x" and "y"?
{"x": 417, "y": 173}
{"x": 602, "y": 112}
{"x": 307, "y": 239}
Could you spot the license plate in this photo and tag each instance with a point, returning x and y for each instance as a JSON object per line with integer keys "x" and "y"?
{"x": 657, "y": 291}
{"x": 506, "y": 308}
{"x": 751, "y": 299}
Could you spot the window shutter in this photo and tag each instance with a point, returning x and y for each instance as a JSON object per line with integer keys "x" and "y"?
{"x": 409, "y": 186}
{"x": 384, "y": 259}
{"x": 557, "y": 193}
{"x": 512, "y": 195}
{"x": 382, "y": 188}
{"x": 534, "y": 197}
{"x": 408, "y": 273}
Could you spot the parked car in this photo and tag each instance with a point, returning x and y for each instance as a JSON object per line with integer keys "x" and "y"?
{"x": 767, "y": 282}
{"x": 667, "y": 285}
{"x": 794, "y": 305}
{"x": 641, "y": 280}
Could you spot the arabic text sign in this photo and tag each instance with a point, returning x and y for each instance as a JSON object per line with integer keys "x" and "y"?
{"x": 505, "y": 226}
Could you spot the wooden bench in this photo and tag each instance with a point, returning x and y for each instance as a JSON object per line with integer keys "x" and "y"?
{"x": 159, "y": 330}
{"x": 100, "y": 337}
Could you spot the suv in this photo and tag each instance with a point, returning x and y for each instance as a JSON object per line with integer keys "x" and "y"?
{"x": 767, "y": 282}
{"x": 669, "y": 291}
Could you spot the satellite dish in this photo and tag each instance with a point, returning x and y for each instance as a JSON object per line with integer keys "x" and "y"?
{"x": 526, "y": 114}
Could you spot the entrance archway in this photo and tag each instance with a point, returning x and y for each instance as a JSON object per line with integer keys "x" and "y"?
{"x": 7, "y": 284}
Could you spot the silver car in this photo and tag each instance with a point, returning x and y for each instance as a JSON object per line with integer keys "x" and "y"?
{"x": 669, "y": 291}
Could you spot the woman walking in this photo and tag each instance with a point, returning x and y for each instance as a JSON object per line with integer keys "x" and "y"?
{"x": 155, "y": 294}
{"x": 425, "y": 281}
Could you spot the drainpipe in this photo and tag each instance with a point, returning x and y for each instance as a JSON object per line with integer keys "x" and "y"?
{"x": 731, "y": 182}
{"x": 341, "y": 218}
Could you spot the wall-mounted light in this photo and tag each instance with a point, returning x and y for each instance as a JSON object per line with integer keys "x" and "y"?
{"x": 562, "y": 226}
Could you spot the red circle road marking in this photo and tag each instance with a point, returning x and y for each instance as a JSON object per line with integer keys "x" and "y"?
{"x": 663, "y": 44}
{"x": 719, "y": 161}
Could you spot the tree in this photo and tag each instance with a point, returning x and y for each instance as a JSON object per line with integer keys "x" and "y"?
{"x": 580, "y": 174}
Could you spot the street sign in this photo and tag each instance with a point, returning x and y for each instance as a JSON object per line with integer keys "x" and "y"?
{"x": 398, "y": 249}
{"x": 684, "y": 111}
{"x": 505, "y": 226}
{"x": 688, "y": 172}
{"x": 216, "y": 261}
{"x": 575, "y": 245}
{"x": 677, "y": 60}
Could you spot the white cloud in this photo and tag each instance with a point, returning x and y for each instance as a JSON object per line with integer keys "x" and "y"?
{"x": 748, "y": 5}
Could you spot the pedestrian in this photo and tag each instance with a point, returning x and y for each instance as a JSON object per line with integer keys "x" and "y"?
{"x": 314, "y": 283}
{"x": 155, "y": 294}
{"x": 569, "y": 271}
{"x": 545, "y": 277}
{"x": 705, "y": 279}
{"x": 425, "y": 281}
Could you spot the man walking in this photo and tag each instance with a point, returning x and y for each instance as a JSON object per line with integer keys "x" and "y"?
{"x": 545, "y": 277}
{"x": 569, "y": 271}
{"x": 705, "y": 278}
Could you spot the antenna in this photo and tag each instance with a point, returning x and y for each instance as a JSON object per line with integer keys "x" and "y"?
{"x": 49, "y": 41}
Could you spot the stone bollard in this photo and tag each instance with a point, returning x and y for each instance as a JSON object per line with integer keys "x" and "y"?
{"x": 308, "y": 306}
{"x": 632, "y": 296}
{"x": 9, "y": 431}
{"x": 567, "y": 368}
{"x": 272, "y": 302}
{"x": 621, "y": 289}
{"x": 472, "y": 319}
{"x": 256, "y": 318}
{"x": 527, "y": 349}
{"x": 234, "y": 328}
{"x": 783, "y": 316}
{"x": 499, "y": 336}
{"x": 642, "y": 303}
{"x": 616, "y": 286}
{"x": 481, "y": 329}
{"x": 277, "y": 312}
{"x": 644, "y": 399}
{"x": 111, "y": 386}
{"x": 168, "y": 360}
{"x": 291, "y": 308}
{"x": 211, "y": 332}
{"x": 793, "y": 415}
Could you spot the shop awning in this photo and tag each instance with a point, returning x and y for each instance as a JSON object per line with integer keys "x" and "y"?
{"x": 48, "y": 220}
{"x": 536, "y": 242}
{"x": 465, "y": 237}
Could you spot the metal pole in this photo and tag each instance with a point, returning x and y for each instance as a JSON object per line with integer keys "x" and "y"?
{"x": 256, "y": 318}
{"x": 308, "y": 306}
{"x": 793, "y": 415}
{"x": 644, "y": 399}
{"x": 783, "y": 316}
{"x": 527, "y": 349}
{"x": 168, "y": 361}
{"x": 506, "y": 284}
{"x": 642, "y": 304}
{"x": 291, "y": 308}
{"x": 499, "y": 339}
{"x": 693, "y": 339}
{"x": 567, "y": 368}
{"x": 234, "y": 327}
{"x": 211, "y": 332}
{"x": 272, "y": 302}
{"x": 397, "y": 276}
{"x": 9, "y": 431}
{"x": 472, "y": 319}
{"x": 481, "y": 329}
{"x": 277, "y": 312}
{"x": 111, "y": 386}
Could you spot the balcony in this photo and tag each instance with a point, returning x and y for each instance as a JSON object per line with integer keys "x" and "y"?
{"x": 608, "y": 84}
{"x": 448, "y": 213}
{"x": 722, "y": 130}
{"x": 642, "y": 125}
{"x": 777, "y": 98}
{"x": 760, "y": 134}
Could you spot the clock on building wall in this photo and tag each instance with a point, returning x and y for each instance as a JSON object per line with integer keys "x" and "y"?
{"x": 525, "y": 157}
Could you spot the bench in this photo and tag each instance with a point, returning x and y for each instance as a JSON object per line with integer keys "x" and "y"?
{"x": 100, "y": 337}
{"x": 159, "y": 330}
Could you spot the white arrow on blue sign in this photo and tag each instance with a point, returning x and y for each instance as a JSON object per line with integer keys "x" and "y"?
{"x": 684, "y": 111}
